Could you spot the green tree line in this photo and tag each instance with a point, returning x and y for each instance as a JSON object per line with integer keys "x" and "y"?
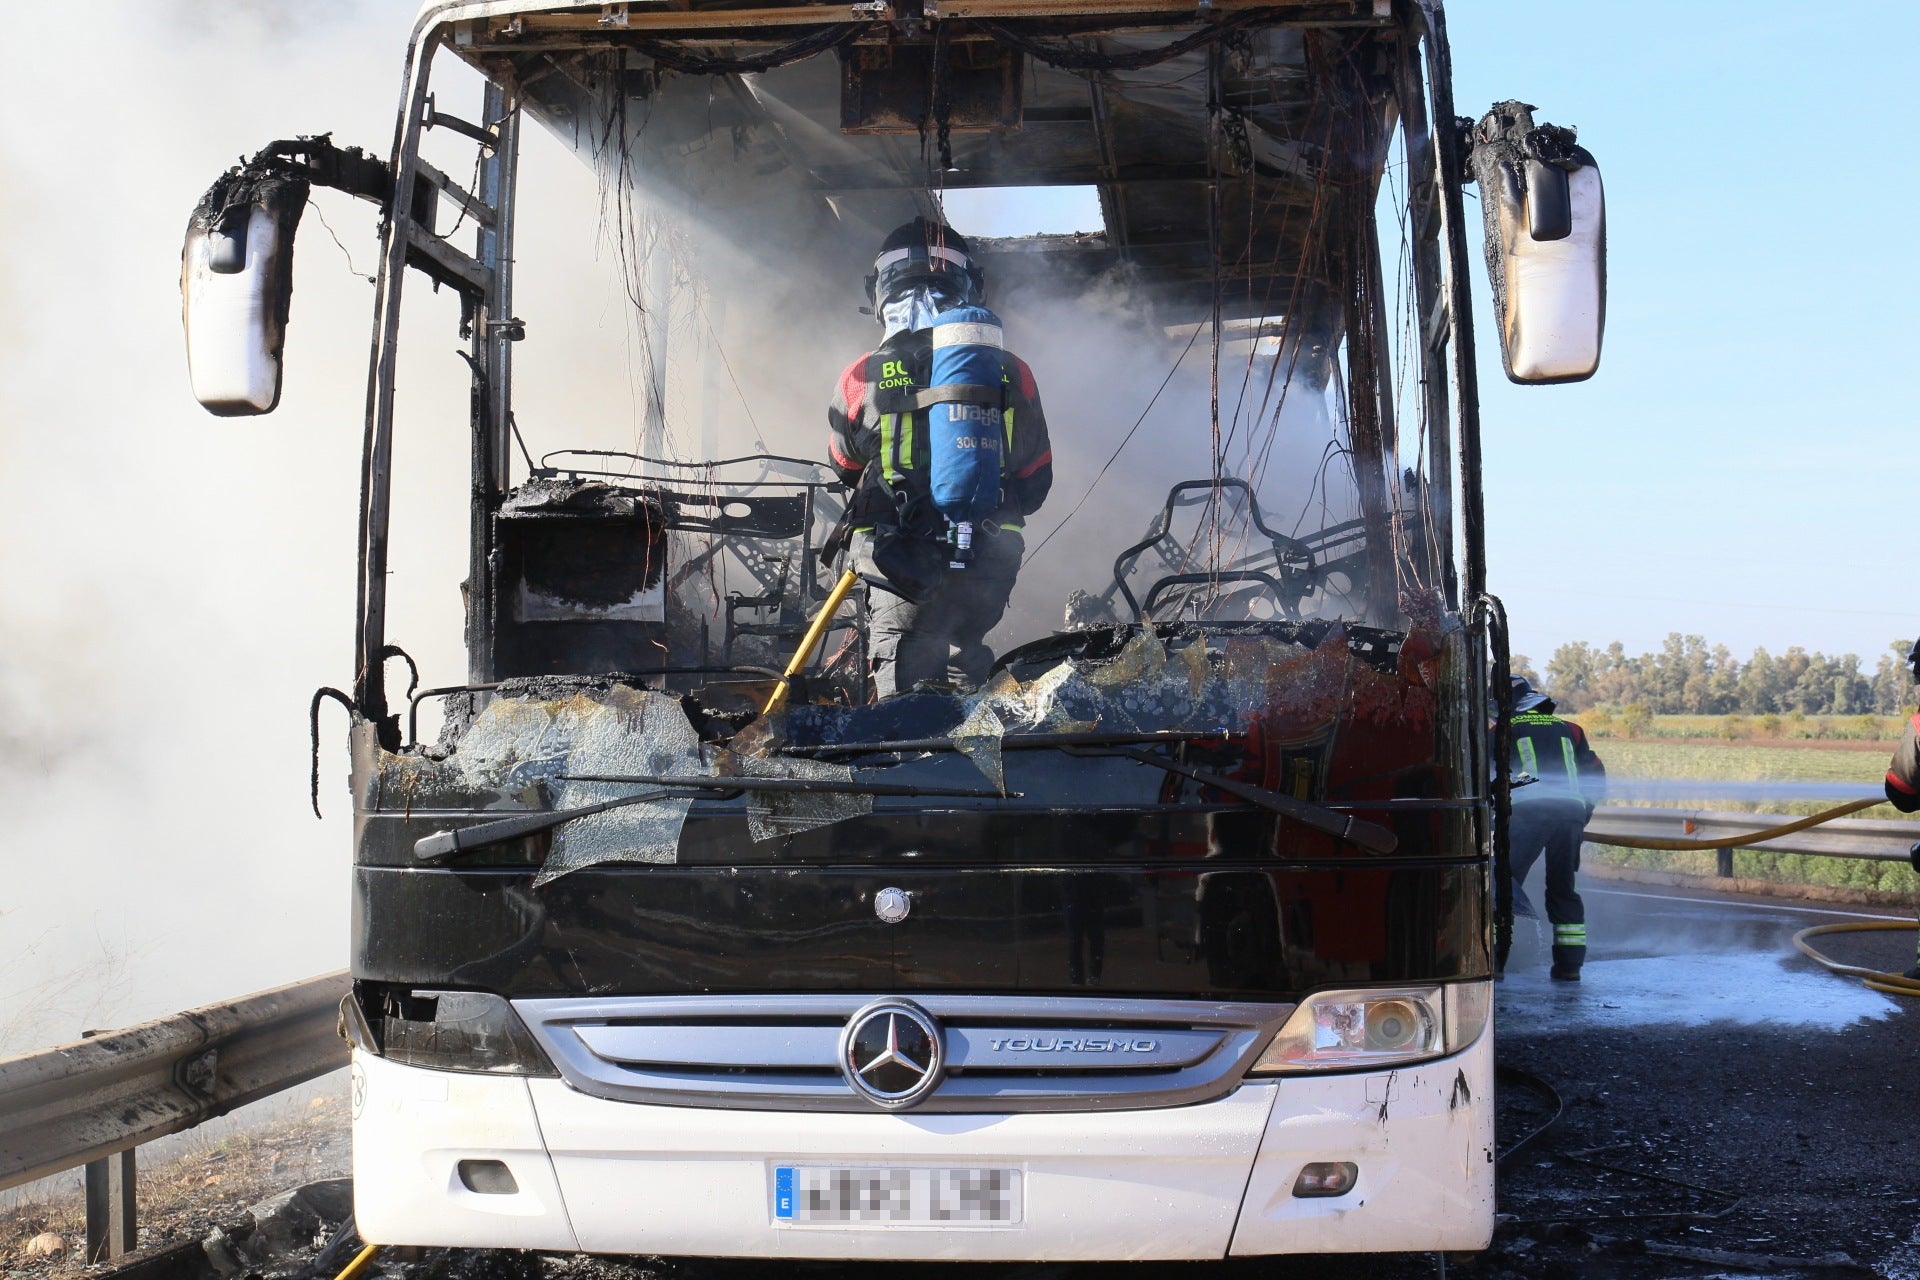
{"x": 1687, "y": 677}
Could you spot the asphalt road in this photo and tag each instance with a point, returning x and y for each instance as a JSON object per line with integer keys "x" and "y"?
{"x": 1729, "y": 1105}
{"x": 1729, "y": 1109}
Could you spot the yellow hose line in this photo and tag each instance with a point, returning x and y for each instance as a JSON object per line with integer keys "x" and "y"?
{"x": 1735, "y": 842}
{"x": 1891, "y": 983}
{"x": 361, "y": 1261}
{"x": 811, "y": 640}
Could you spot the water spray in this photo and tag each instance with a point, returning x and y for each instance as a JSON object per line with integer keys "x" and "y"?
{"x": 1878, "y": 980}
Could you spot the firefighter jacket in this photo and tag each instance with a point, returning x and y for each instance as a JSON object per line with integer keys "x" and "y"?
{"x": 870, "y": 421}
{"x": 1572, "y": 779}
{"x": 1903, "y": 773}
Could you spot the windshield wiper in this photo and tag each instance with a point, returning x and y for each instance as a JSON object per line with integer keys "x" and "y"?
{"x": 1010, "y": 742}
{"x": 803, "y": 785}
{"x": 444, "y": 844}
{"x": 1369, "y": 836}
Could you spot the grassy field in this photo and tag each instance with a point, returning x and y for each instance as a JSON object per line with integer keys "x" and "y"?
{"x": 1734, "y": 762}
{"x": 1613, "y": 723}
{"x": 1743, "y": 762}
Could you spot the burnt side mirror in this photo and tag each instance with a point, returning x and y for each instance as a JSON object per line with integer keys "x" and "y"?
{"x": 236, "y": 284}
{"x": 1544, "y": 213}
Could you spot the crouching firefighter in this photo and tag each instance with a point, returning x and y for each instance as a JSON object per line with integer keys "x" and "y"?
{"x": 1549, "y": 816}
{"x": 1903, "y": 775}
{"x": 939, "y": 434}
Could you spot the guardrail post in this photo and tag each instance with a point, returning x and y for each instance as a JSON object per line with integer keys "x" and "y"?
{"x": 111, "y": 1226}
{"x": 1723, "y": 863}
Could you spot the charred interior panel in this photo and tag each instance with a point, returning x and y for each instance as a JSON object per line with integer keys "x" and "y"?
{"x": 884, "y": 88}
{"x": 584, "y": 567}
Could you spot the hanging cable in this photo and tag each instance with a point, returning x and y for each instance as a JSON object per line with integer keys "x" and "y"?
{"x": 1214, "y": 528}
{"x": 1072, "y": 58}
{"x": 679, "y": 58}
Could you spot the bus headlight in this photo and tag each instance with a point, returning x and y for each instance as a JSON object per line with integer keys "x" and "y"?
{"x": 472, "y": 1031}
{"x": 1377, "y": 1027}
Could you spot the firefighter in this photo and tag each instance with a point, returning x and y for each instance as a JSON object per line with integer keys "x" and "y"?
{"x": 1903, "y": 775}
{"x": 1549, "y": 816}
{"x": 930, "y": 603}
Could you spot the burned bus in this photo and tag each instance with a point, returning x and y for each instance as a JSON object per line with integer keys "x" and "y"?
{"x": 1171, "y": 938}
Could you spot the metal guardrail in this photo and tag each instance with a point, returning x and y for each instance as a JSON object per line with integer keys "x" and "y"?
{"x": 1876, "y": 839}
{"x": 93, "y": 1101}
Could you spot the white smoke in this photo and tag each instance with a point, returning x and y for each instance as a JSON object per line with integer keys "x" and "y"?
{"x": 177, "y": 585}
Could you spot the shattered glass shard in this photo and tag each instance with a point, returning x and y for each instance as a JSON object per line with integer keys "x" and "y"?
{"x": 1142, "y": 659}
{"x": 772, "y": 814}
{"x": 978, "y": 739}
{"x": 510, "y": 756}
{"x": 629, "y": 731}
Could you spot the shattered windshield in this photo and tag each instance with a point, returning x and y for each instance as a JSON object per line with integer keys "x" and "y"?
{"x": 1192, "y": 420}
{"x": 827, "y": 501}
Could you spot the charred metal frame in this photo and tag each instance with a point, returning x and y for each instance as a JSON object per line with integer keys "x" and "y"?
{"x": 1435, "y": 163}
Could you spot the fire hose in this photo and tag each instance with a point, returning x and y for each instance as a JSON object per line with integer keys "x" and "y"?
{"x": 1891, "y": 983}
{"x": 1752, "y": 837}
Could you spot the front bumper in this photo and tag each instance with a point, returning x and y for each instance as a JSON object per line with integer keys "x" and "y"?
{"x": 1191, "y": 1182}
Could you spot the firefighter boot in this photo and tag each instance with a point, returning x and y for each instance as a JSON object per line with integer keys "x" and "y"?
{"x": 1569, "y": 952}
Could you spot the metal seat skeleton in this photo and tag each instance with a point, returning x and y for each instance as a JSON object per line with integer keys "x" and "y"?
{"x": 1285, "y": 566}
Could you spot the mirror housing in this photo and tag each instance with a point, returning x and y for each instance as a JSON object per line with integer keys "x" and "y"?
{"x": 1544, "y": 213}
{"x": 236, "y": 285}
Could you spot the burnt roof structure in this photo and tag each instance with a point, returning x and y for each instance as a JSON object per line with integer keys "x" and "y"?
{"x": 1216, "y": 141}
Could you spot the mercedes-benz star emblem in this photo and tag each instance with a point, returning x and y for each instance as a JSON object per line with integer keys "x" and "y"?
{"x": 891, "y": 1054}
{"x": 892, "y": 905}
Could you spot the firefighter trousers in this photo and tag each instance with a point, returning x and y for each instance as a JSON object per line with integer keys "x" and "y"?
{"x": 943, "y": 635}
{"x": 1558, "y": 837}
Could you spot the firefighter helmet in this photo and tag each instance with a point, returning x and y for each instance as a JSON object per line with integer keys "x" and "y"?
{"x": 925, "y": 253}
{"x": 1528, "y": 698}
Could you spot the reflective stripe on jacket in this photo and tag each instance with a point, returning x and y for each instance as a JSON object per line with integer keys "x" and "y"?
{"x": 1556, "y": 752}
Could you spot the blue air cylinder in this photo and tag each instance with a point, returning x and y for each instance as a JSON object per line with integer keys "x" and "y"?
{"x": 964, "y": 439}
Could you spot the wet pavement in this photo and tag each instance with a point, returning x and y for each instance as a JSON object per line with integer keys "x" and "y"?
{"x": 1692, "y": 961}
{"x": 1729, "y": 1106}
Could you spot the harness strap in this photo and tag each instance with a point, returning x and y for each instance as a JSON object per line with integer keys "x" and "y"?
{"x": 960, "y": 393}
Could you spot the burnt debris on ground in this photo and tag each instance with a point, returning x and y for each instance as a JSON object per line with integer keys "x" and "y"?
{"x": 233, "y": 1191}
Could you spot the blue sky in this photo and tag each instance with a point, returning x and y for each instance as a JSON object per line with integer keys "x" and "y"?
{"x": 1740, "y": 467}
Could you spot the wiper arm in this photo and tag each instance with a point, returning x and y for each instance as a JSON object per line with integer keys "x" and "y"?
{"x": 444, "y": 844}
{"x": 804, "y": 785}
{"x": 1010, "y": 742}
{"x": 1369, "y": 836}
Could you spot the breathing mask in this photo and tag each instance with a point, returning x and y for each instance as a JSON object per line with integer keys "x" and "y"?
{"x": 910, "y": 286}
{"x": 915, "y": 306}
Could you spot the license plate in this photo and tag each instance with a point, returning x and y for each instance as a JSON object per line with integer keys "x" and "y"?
{"x": 829, "y": 1195}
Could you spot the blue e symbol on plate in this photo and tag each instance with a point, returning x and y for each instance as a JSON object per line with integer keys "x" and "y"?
{"x": 783, "y": 1192}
